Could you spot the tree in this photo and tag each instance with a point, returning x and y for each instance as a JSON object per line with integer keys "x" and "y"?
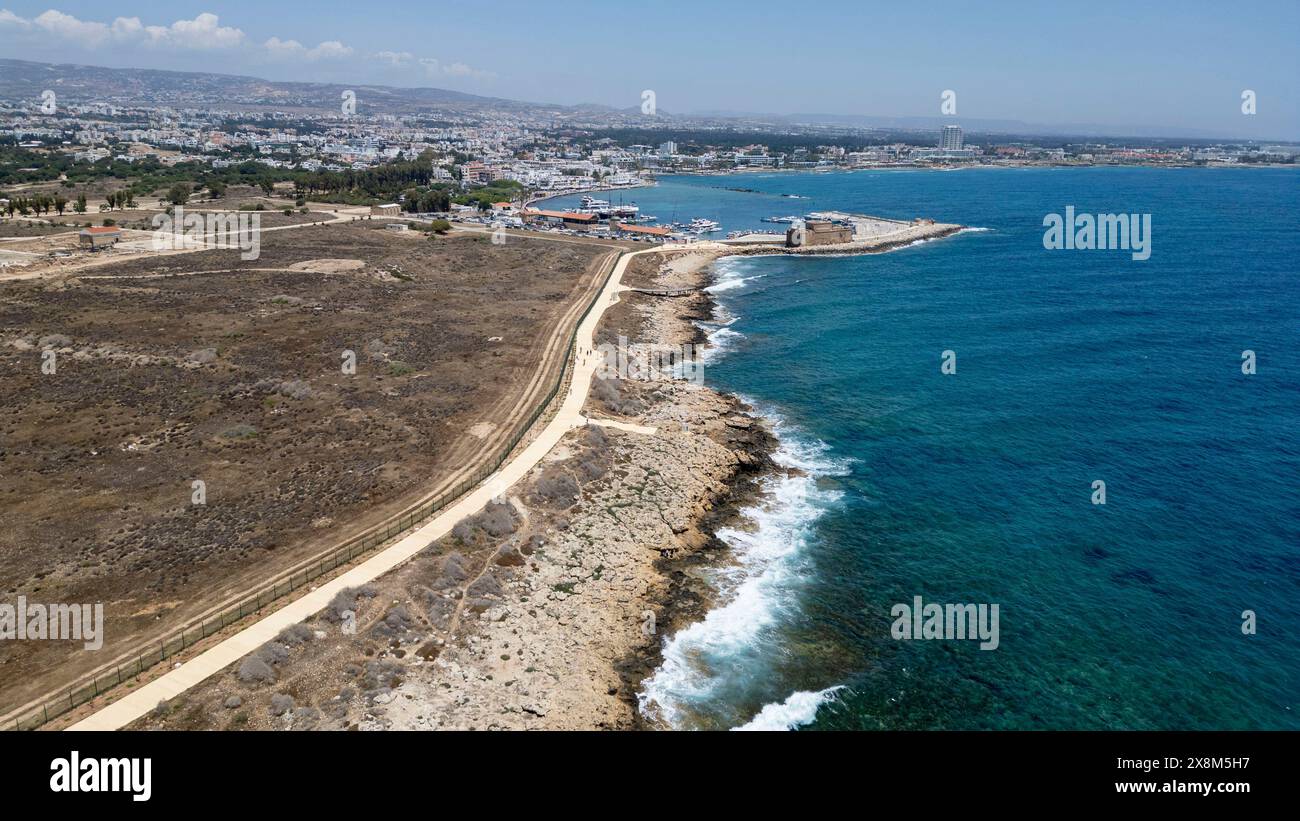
{"x": 216, "y": 189}
{"x": 80, "y": 205}
{"x": 60, "y": 203}
{"x": 179, "y": 194}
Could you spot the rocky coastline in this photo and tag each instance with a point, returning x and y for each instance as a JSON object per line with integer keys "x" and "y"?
{"x": 548, "y": 608}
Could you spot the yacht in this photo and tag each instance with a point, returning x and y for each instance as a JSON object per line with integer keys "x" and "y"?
{"x": 604, "y": 209}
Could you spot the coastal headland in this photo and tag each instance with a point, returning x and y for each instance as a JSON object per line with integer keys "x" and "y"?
{"x": 548, "y": 606}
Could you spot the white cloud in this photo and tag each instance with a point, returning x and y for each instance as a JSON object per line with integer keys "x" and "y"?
{"x": 203, "y": 33}
{"x": 329, "y": 50}
{"x": 67, "y": 27}
{"x": 284, "y": 48}
{"x": 8, "y": 18}
{"x": 293, "y": 50}
{"x": 127, "y": 27}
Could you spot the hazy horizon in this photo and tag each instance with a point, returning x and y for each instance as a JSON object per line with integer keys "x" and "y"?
{"x": 1175, "y": 68}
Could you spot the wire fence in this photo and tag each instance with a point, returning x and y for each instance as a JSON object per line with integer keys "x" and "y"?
{"x": 200, "y": 629}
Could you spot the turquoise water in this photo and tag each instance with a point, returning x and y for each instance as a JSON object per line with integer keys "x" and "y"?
{"x": 976, "y": 487}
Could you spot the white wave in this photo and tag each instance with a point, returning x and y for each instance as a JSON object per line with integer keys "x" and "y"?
{"x": 719, "y": 342}
{"x": 728, "y": 275}
{"x": 759, "y": 591}
{"x": 732, "y": 284}
{"x": 798, "y": 710}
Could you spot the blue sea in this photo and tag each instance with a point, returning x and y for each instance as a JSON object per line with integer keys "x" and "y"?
{"x": 1072, "y": 367}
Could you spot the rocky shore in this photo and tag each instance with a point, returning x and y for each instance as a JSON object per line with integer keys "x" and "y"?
{"x": 548, "y": 608}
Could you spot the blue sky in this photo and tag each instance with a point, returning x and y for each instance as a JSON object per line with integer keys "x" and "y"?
{"x": 1179, "y": 65}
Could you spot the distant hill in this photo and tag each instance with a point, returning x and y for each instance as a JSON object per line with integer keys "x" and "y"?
{"x": 25, "y": 80}
{"x": 21, "y": 79}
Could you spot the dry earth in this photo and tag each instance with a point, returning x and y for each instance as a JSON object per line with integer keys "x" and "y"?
{"x": 201, "y": 366}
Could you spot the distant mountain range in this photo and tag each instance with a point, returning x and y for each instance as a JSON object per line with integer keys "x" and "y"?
{"x": 26, "y": 80}
{"x": 21, "y": 79}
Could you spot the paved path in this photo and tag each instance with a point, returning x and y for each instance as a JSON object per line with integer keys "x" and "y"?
{"x": 171, "y": 684}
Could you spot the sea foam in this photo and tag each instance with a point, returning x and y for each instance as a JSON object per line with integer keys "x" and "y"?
{"x": 728, "y": 275}
{"x": 734, "y": 641}
{"x": 799, "y": 710}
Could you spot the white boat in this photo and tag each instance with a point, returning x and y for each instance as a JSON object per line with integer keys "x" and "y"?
{"x": 700, "y": 225}
{"x": 605, "y": 209}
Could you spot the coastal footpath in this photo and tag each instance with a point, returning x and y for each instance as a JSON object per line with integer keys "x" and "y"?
{"x": 548, "y": 607}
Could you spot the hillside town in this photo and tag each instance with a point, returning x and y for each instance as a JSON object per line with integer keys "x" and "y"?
{"x": 476, "y": 148}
